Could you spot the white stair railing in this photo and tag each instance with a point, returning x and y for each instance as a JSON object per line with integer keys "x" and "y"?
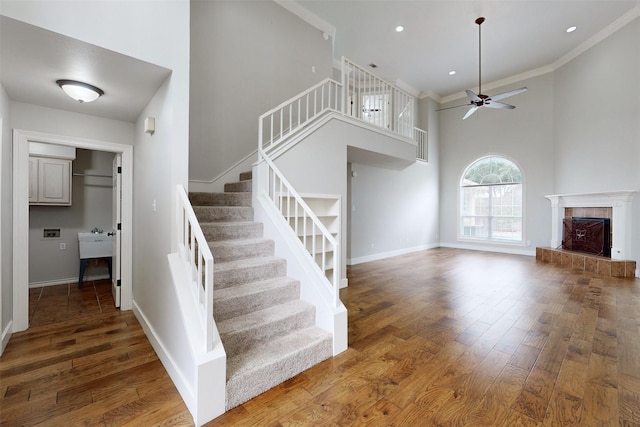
{"x": 315, "y": 239}
{"x": 363, "y": 96}
{"x": 373, "y": 100}
{"x": 287, "y": 118}
{"x": 196, "y": 254}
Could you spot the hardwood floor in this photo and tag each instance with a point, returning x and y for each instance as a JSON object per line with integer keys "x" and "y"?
{"x": 84, "y": 362}
{"x": 439, "y": 337}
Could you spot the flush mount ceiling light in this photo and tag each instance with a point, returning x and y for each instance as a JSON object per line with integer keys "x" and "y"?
{"x": 571, "y": 29}
{"x": 81, "y": 92}
{"x": 399, "y": 29}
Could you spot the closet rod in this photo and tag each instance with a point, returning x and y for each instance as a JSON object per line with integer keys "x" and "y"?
{"x": 91, "y": 174}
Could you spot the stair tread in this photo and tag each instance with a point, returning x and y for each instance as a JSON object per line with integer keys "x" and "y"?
{"x": 278, "y": 350}
{"x": 238, "y": 242}
{"x": 259, "y": 318}
{"x": 257, "y": 370}
{"x": 252, "y": 288}
{"x": 246, "y": 262}
{"x": 228, "y": 223}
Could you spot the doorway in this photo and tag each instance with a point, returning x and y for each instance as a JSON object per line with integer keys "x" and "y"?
{"x": 21, "y": 140}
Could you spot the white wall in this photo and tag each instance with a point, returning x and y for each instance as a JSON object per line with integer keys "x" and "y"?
{"x": 524, "y": 135}
{"x": 154, "y": 184}
{"x": 36, "y": 118}
{"x": 576, "y": 130}
{"x": 391, "y": 211}
{"x": 596, "y": 111}
{"x": 246, "y": 58}
{"x": 156, "y": 32}
{"x": 6, "y": 231}
{"x": 90, "y": 208}
{"x": 380, "y": 195}
{"x": 597, "y": 121}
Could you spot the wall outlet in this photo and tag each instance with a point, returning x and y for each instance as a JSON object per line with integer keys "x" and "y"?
{"x": 63, "y": 246}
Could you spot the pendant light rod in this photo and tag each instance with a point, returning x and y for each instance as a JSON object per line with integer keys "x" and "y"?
{"x": 479, "y": 21}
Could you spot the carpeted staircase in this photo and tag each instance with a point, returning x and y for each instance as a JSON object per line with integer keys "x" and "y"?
{"x": 268, "y": 333}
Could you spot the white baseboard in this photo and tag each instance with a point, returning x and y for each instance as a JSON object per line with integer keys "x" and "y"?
{"x": 65, "y": 281}
{"x": 6, "y": 335}
{"x": 390, "y": 254}
{"x": 473, "y": 247}
{"x": 488, "y": 248}
{"x": 172, "y": 368}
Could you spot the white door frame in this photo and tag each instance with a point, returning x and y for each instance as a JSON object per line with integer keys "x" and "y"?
{"x": 21, "y": 139}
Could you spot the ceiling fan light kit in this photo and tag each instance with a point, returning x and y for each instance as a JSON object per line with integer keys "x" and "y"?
{"x": 480, "y": 100}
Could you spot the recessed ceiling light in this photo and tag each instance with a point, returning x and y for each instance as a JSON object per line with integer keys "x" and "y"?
{"x": 571, "y": 29}
{"x": 399, "y": 29}
{"x": 452, "y": 72}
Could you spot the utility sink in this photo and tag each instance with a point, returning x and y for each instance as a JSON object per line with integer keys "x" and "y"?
{"x": 95, "y": 245}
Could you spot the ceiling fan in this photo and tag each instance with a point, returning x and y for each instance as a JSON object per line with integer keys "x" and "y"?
{"x": 479, "y": 100}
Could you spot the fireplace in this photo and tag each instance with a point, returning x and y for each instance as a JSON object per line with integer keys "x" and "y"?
{"x": 589, "y": 235}
{"x": 618, "y": 203}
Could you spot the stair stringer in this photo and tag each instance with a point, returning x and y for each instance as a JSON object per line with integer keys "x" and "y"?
{"x": 202, "y": 385}
{"x": 313, "y": 287}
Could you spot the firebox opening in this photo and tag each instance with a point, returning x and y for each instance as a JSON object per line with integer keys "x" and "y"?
{"x": 589, "y": 235}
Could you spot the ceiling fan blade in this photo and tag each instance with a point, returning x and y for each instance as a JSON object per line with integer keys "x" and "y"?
{"x": 472, "y": 96}
{"x": 455, "y": 106}
{"x": 504, "y": 95}
{"x": 470, "y": 112}
{"x": 500, "y": 105}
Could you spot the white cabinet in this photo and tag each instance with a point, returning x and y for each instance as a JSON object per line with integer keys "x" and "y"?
{"x": 49, "y": 181}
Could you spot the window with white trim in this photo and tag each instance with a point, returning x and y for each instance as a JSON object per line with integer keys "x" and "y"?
{"x": 491, "y": 200}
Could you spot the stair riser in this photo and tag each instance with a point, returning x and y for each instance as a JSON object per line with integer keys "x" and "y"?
{"x": 223, "y": 213}
{"x": 244, "y": 176}
{"x": 238, "y": 187}
{"x": 240, "y": 341}
{"x": 220, "y": 199}
{"x": 228, "y": 278}
{"x": 243, "y": 304}
{"x": 224, "y": 253}
{"x": 230, "y": 231}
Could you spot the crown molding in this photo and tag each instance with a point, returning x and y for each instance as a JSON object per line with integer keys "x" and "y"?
{"x": 598, "y": 37}
{"x": 589, "y": 43}
{"x": 502, "y": 82}
{"x": 310, "y": 17}
{"x": 431, "y": 94}
{"x": 407, "y": 88}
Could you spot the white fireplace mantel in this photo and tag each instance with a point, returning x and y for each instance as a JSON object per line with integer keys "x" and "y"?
{"x": 621, "y": 204}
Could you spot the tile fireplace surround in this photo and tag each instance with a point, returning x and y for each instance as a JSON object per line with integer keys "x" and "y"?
{"x": 620, "y": 204}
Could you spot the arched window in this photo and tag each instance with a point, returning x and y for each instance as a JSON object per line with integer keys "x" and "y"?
{"x": 491, "y": 200}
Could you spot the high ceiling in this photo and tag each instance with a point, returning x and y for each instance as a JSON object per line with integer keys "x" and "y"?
{"x": 518, "y": 36}
{"x": 439, "y": 36}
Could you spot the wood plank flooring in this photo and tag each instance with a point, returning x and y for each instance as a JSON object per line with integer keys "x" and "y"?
{"x": 442, "y": 337}
{"x": 84, "y": 362}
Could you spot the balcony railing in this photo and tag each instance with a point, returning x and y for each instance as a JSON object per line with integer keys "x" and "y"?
{"x": 373, "y": 100}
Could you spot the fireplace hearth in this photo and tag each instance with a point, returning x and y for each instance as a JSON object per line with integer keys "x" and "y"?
{"x": 619, "y": 202}
{"x": 614, "y": 205}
